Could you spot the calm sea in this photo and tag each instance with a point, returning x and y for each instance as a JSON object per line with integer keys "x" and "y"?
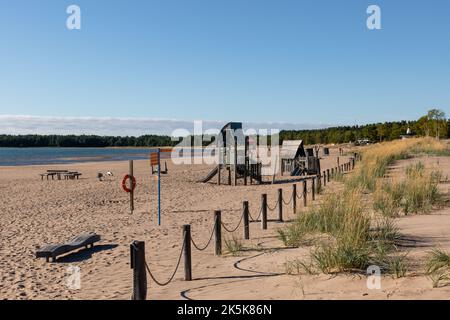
{"x": 34, "y": 156}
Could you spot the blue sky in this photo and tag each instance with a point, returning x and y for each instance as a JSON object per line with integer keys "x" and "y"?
{"x": 306, "y": 62}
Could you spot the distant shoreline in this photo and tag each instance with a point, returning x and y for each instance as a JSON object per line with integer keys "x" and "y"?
{"x": 11, "y": 157}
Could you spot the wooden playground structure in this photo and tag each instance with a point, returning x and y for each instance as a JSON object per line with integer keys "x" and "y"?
{"x": 297, "y": 161}
{"x": 235, "y": 157}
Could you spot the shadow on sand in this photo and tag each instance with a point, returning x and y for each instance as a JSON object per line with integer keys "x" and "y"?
{"x": 85, "y": 254}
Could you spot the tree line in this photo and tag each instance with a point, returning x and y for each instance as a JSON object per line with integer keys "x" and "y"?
{"x": 24, "y": 141}
{"x": 433, "y": 124}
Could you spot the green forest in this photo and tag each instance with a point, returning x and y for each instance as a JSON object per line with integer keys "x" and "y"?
{"x": 433, "y": 124}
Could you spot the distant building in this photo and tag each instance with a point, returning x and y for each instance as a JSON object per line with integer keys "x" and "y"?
{"x": 409, "y": 134}
{"x": 362, "y": 142}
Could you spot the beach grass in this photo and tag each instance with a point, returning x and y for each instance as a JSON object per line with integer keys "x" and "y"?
{"x": 438, "y": 267}
{"x": 348, "y": 236}
{"x": 234, "y": 245}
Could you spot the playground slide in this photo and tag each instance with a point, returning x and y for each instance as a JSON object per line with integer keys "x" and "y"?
{"x": 210, "y": 175}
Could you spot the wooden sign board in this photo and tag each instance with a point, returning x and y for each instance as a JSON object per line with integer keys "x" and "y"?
{"x": 154, "y": 159}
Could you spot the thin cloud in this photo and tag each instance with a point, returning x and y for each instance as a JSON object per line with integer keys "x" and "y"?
{"x": 108, "y": 126}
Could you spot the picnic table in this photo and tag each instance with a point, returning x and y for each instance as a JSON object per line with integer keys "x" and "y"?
{"x": 59, "y": 174}
{"x": 72, "y": 175}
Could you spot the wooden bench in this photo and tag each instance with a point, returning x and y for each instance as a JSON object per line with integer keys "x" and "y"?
{"x": 54, "y": 250}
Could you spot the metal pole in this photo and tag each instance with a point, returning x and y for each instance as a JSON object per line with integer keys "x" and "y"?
{"x": 235, "y": 162}
{"x": 159, "y": 186}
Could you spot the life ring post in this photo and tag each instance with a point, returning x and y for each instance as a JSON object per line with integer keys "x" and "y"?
{"x": 131, "y": 174}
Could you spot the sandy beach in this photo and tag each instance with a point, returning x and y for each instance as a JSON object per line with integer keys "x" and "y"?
{"x": 34, "y": 213}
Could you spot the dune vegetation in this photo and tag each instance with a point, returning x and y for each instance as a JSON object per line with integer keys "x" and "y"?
{"x": 354, "y": 227}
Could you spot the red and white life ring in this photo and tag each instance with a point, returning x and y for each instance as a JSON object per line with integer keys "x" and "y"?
{"x": 124, "y": 183}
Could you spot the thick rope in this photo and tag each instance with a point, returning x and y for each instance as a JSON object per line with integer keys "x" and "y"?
{"x": 290, "y": 201}
{"x": 231, "y": 231}
{"x": 257, "y": 218}
{"x": 159, "y": 283}
{"x": 276, "y": 205}
{"x": 207, "y": 244}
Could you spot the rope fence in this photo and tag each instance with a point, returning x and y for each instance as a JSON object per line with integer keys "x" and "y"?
{"x": 137, "y": 248}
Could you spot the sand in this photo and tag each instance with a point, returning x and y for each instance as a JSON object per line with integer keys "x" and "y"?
{"x": 35, "y": 212}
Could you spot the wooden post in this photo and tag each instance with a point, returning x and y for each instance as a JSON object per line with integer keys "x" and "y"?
{"x": 294, "y": 198}
{"x": 318, "y": 183}
{"x": 280, "y": 205}
{"x": 219, "y": 170}
{"x": 137, "y": 255}
{"x": 313, "y": 191}
{"x": 264, "y": 211}
{"x": 187, "y": 252}
{"x": 328, "y": 175}
{"x": 324, "y": 178}
{"x": 229, "y": 173}
{"x": 131, "y": 173}
{"x": 246, "y": 221}
{"x": 338, "y": 161}
{"x": 305, "y": 193}
{"x": 218, "y": 232}
{"x": 246, "y": 160}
